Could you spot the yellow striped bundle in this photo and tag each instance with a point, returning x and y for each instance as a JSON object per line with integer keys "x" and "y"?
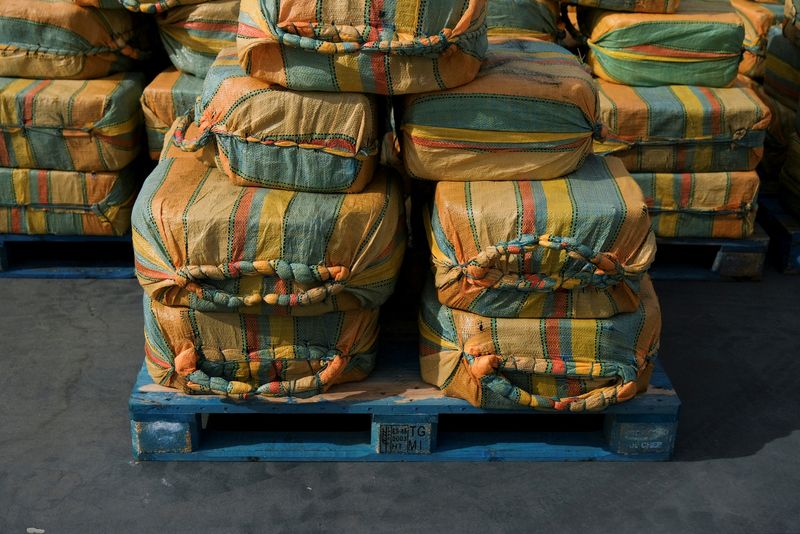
{"x": 170, "y": 95}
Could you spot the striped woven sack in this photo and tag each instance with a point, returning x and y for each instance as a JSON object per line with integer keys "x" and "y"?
{"x": 681, "y": 128}
{"x": 573, "y": 247}
{"x": 66, "y": 202}
{"x": 194, "y": 35}
{"x": 545, "y": 364}
{"x": 530, "y": 114}
{"x": 791, "y": 21}
{"x": 156, "y": 6}
{"x": 56, "y": 39}
{"x": 269, "y": 136}
{"x": 70, "y": 124}
{"x": 715, "y": 204}
{"x": 202, "y": 242}
{"x": 534, "y": 19}
{"x": 257, "y": 355}
{"x": 170, "y": 95}
{"x": 103, "y": 4}
{"x": 790, "y": 175}
{"x": 782, "y": 76}
{"x": 388, "y": 47}
{"x": 631, "y": 6}
{"x": 701, "y": 44}
{"x": 757, "y": 19}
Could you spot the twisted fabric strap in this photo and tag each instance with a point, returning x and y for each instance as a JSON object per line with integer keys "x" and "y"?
{"x": 601, "y": 269}
{"x": 179, "y": 136}
{"x": 333, "y": 280}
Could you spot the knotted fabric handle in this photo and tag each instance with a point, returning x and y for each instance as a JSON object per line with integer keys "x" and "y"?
{"x": 179, "y": 134}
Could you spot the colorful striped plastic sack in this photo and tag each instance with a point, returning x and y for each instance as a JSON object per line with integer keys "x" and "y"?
{"x": 102, "y": 4}
{"x": 757, "y": 19}
{"x": 701, "y": 44}
{"x": 69, "y": 124}
{"x": 533, "y": 19}
{"x": 170, "y": 95}
{"x": 257, "y": 355}
{"x": 782, "y": 76}
{"x": 681, "y": 128}
{"x": 66, "y": 202}
{"x": 388, "y": 47}
{"x": 791, "y": 22}
{"x": 272, "y": 137}
{"x": 716, "y": 204}
{"x": 790, "y": 174}
{"x": 202, "y": 242}
{"x": 156, "y": 6}
{"x": 194, "y": 35}
{"x": 631, "y": 6}
{"x": 572, "y": 247}
{"x": 545, "y": 364}
{"x": 530, "y": 114}
{"x": 54, "y": 39}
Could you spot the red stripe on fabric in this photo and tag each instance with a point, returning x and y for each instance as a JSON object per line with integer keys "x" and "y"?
{"x": 528, "y": 217}
{"x": 240, "y": 219}
{"x": 671, "y": 52}
{"x": 716, "y": 110}
{"x": 210, "y": 26}
{"x": 553, "y": 340}
{"x": 686, "y": 189}
{"x": 41, "y": 186}
{"x": 155, "y": 359}
{"x": 16, "y": 220}
{"x": 27, "y": 113}
{"x": 5, "y": 159}
{"x": 249, "y": 31}
{"x": 251, "y": 336}
{"x": 376, "y": 61}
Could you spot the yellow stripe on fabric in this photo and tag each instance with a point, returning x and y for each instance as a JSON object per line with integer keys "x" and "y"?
{"x": 665, "y": 195}
{"x": 584, "y": 342}
{"x": 22, "y": 185}
{"x": 406, "y": 13}
{"x": 555, "y": 191}
{"x": 22, "y": 151}
{"x": 277, "y": 201}
{"x": 118, "y": 129}
{"x": 488, "y": 136}
{"x": 695, "y": 112}
{"x": 281, "y": 328}
{"x": 617, "y": 54}
{"x": 435, "y": 339}
{"x": 383, "y": 272}
{"x": 37, "y": 221}
{"x": 436, "y": 252}
{"x": 8, "y": 106}
{"x": 533, "y": 305}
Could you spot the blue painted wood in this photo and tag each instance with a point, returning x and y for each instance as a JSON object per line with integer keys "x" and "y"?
{"x": 14, "y": 264}
{"x": 404, "y": 414}
{"x": 735, "y": 258}
{"x": 784, "y": 232}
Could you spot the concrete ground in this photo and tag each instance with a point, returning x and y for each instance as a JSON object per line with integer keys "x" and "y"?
{"x": 70, "y": 351}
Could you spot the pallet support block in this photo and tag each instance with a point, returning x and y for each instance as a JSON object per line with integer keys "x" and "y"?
{"x": 784, "y": 232}
{"x": 404, "y": 434}
{"x": 631, "y": 435}
{"x": 180, "y": 433}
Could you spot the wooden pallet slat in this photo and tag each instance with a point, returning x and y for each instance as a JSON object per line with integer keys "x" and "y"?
{"x": 57, "y": 256}
{"x": 406, "y": 420}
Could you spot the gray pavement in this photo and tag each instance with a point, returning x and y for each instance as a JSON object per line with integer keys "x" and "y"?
{"x": 70, "y": 351}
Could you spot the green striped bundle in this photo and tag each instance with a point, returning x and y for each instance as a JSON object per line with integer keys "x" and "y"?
{"x": 56, "y": 39}
{"x": 533, "y": 19}
{"x": 205, "y": 243}
{"x": 782, "y": 76}
{"x": 70, "y": 124}
{"x": 66, "y": 202}
{"x": 170, "y": 95}
{"x": 631, "y": 6}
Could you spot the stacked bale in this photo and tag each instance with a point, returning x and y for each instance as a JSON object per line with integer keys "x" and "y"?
{"x": 783, "y": 70}
{"x": 193, "y": 33}
{"x": 71, "y": 120}
{"x": 264, "y": 273}
{"x": 691, "y": 133}
{"x": 540, "y": 249}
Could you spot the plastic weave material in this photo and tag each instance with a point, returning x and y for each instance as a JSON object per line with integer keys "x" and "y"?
{"x": 202, "y": 242}
{"x": 531, "y": 113}
{"x": 54, "y": 39}
{"x": 170, "y": 95}
{"x": 791, "y": 23}
{"x": 382, "y": 46}
{"x": 156, "y": 6}
{"x": 70, "y": 124}
{"x": 715, "y": 205}
{"x": 103, "y": 4}
{"x": 701, "y": 44}
{"x": 790, "y": 174}
{"x": 194, "y": 35}
{"x": 782, "y": 77}
{"x": 631, "y": 6}
{"x": 66, "y": 202}
{"x": 535, "y": 19}
{"x": 547, "y": 364}
{"x": 572, "y": 247}
{"x": 683, "y": 128}
{"x": 257, "y": 355}
{"x": 269, "y": 136}
{"x": 757, "y": 19}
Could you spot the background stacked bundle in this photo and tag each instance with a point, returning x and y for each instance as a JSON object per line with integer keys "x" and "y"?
{"x": 783, "y": 82}
{"x": 690, "y": 133}
{"x": 193, "y": 33}
{"x": 70, "y": 117}
{"x": 540, "y": 296}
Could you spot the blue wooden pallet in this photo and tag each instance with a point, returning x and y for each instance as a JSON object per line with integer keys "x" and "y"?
{"x": 393, "y": 416}
{"x": 684, "y": 258}
{"x": 784, "y": 232}
{"x": 47, "y": 256}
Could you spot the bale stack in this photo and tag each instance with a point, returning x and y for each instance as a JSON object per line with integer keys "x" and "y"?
{"x": 71, "y": 120}
{"x": 264, "y": 273}
{"x": 193, "y": 33}
{"x": 688, "y": 130}
{"x": 783, "y": 77}
{"x": 540, "y": 296}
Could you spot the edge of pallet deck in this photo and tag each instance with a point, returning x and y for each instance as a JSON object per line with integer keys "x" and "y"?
{"x": 756, "y": 242}
{"x": 393, "y": 389}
